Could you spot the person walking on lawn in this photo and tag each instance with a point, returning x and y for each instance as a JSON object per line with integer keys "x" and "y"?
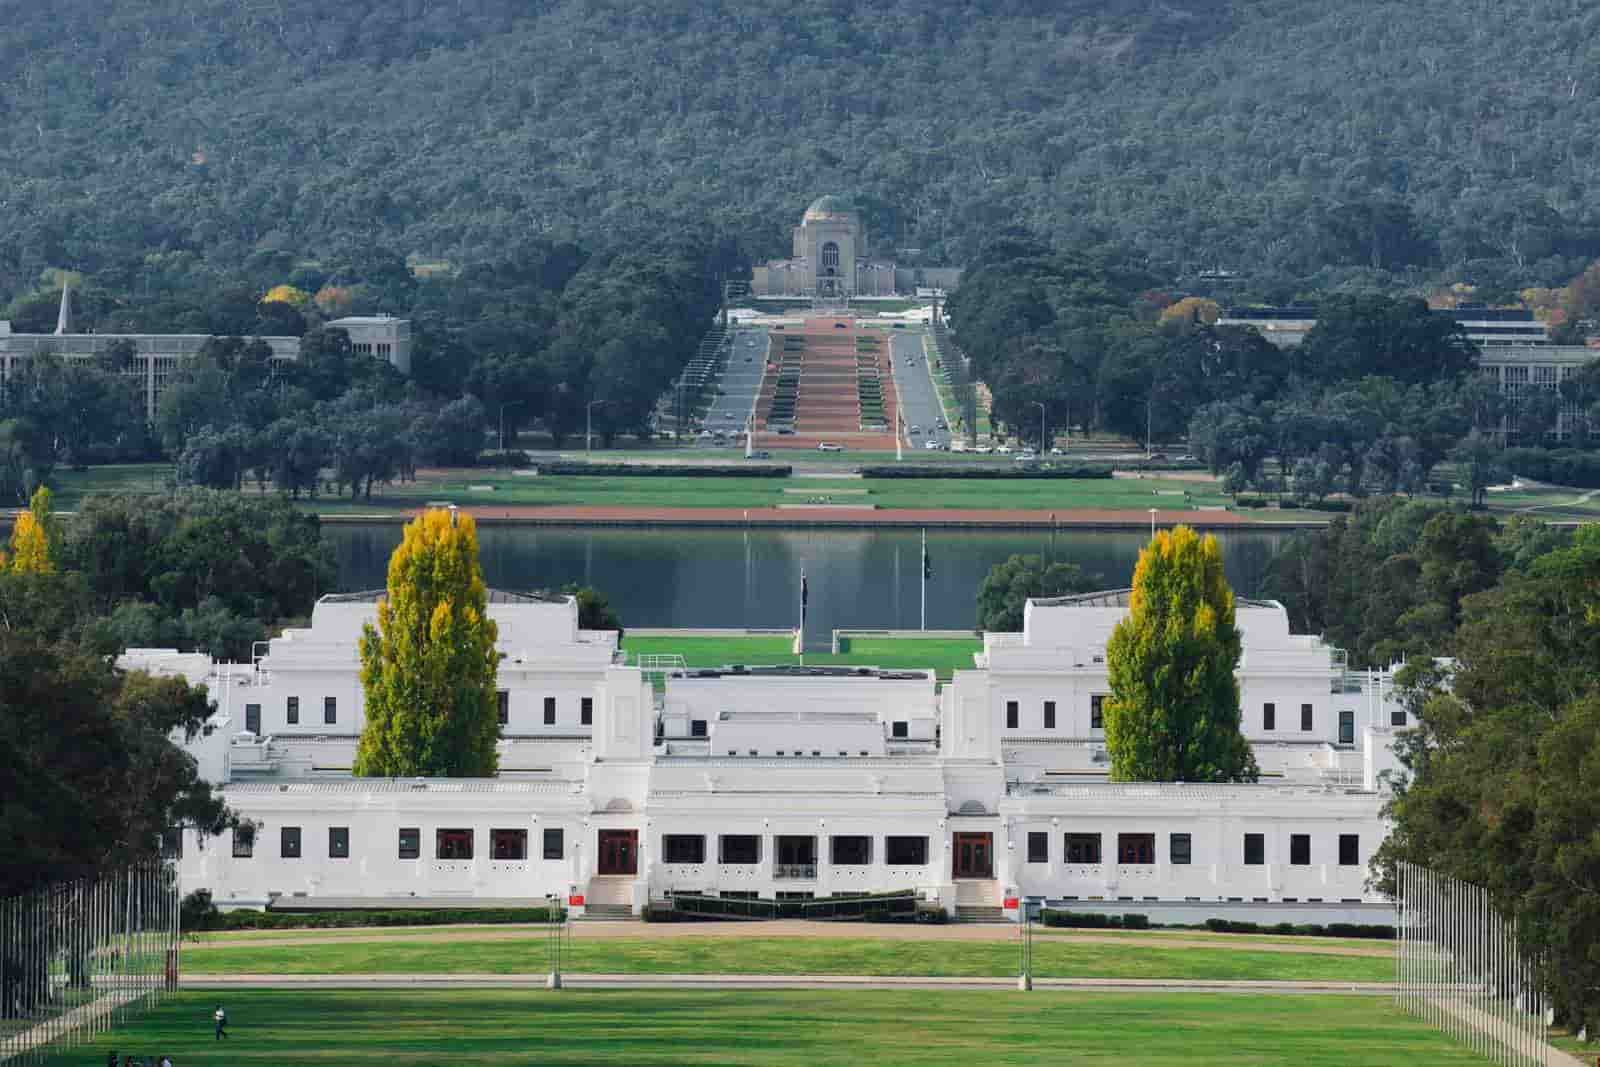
{"x": 221, "y": 1018}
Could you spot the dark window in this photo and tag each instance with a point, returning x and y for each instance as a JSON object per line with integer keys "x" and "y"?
{"x": 172, "y": 843}
{"x": 252, "y": 718}
{"x": 244, "y": 842}
{"x": 554, "y": 843}
{"x": 549, "y": 711}
{"x": 338, "y": 842}
{"x": 1255, "y": 850}
{"x": 1179, "y": 849}
{"x": 1083, "y": 848}
{"x": 905, "y": 851}
{"x": 410, "y": 842}
{"x": 796, "y": 850}
{"x": 1049, "y": 714}
{"x": 852, "y": 851}
{"x": 697, "y": 727}
{"x": 502, "y": 706}
{"x": 684, "y": 848}
{"x": 586, "y": 711}
{"x": 900, "y": 729}
{"x": 452, "y": 844}
{"x": 508, "y": 844}
{"x": 1038, "y": 846}
{"x": 1011, "y": 715}
{"x": 1347, "y": 727}
{"x": 1300, "y": 850}
{"x": 292, "y": 711}
{"x": 1307, "y": 718}
{"x": 1397, "y": 717}
{"x": 1136, "y": 848}
{"x": 739, "y": 848}
{"x": 1349, "y": 850}
{"x": 1269, "y": 716}
{"x": 330, "y": 710}
{"x": 289, "y": 842}
{"x": 1097, "y": 711}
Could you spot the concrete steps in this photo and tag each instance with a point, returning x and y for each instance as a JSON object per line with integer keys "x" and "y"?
{"x": 980, "y": 913}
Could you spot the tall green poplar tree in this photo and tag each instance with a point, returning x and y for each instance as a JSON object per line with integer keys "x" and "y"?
{"x": 1173, "y": 715}
{"x": 428, "y": 667}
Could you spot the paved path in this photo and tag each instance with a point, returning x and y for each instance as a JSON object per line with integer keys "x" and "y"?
{"x": 759, "y": 981}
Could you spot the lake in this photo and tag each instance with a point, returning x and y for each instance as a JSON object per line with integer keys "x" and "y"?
{"x": 858, "y": 579}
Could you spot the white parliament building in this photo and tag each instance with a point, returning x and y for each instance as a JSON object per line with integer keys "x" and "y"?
{"x": 620, "y": 786}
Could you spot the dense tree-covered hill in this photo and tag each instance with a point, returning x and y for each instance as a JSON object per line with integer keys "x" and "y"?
{"x": 1429, "y": 138}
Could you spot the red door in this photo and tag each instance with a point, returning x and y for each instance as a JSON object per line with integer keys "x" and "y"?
{"x": 619, "y": 852}
{"x": 974, "y": 855}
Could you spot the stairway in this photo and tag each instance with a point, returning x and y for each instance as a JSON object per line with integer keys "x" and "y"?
{"x": 980, "y": 913}
{"x": 978, "y": 901}
{"x": 610, "y": 899}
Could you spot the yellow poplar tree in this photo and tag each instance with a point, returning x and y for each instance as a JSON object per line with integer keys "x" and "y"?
{"x": 1174, "y": 714}
{"x": 428, "y": 667}
{"x": 33, "y": 537}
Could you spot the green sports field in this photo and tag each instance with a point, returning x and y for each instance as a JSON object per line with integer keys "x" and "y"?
{"x": 766, "y": 1028}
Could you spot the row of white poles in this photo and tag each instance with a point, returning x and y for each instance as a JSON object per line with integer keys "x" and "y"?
{"x": 78, "y": 958}
{"x": 1460, "y": 967}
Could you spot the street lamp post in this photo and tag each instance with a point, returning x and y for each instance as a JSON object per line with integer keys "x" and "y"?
{"x": 1040, "y": 405}
{"x": 588, "y": 427}
{"x": 1152, "y": 524}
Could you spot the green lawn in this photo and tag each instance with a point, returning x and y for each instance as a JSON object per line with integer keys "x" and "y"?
{"x": 757, "y": 955}
{"x": 768, "y": 1028}
{"x": 941, "y": 654}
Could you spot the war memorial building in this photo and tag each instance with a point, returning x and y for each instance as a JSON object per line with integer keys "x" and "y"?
{"x": 831, "y": 260}
{"x": 796, "y": 783}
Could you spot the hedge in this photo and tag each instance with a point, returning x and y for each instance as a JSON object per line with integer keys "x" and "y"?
{"x": 611, "y": 470}
{"x": 983, "y": 472}
{"x": 1374, "y": 931}
{"x": 296, "y": 920}
{"x": 1558, "y": 466}
{"x": 1094, "y": 920}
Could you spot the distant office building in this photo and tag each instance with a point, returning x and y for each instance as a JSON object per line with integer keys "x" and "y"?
{"x": 831, "y": 260}
{"x": 382, "y": 336}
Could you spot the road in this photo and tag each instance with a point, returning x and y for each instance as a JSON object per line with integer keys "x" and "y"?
{"x": 918, "y": 398}
{"x": 740, "y": 385}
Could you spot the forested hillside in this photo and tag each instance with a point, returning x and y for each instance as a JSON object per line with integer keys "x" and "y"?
{"x": 1432, "y": 139}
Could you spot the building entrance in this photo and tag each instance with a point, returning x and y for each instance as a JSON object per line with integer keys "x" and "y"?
{"x": 974, "y": 855}
{"x": 619, "y": 852}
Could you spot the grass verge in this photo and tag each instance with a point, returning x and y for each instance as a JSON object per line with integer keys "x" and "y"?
{"x": 941, "y": 654}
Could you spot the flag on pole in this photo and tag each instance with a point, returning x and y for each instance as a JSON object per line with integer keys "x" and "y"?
{"x": 927, "y": 560}
{"x": 805, "y": 596}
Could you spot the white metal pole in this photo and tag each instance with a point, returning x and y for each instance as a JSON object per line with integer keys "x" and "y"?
{"x": 923, "y": 577}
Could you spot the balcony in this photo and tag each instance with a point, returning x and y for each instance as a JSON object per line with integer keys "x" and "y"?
{"x": 794, "y": 872}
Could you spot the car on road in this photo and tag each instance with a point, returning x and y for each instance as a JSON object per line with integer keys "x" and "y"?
{"x": 1025, "y": 457}
{"x": 840, "y": 326}
{"x": 915, "y": 430}
{"x": 933, "y": 446}
{"x": 1004, "y": 450}
{"x": 1057, "y": 452}
{"x": 703, "y": 435}
{"x": 829, "y": 446}
{"x": 982, "y": 450}
{"x": 784, "y": 431}
{"x": 941, "y": 425}
{"x": 759, "y": 453}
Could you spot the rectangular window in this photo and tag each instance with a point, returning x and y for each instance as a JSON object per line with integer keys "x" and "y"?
{"x": 1049, "y": 714}
{"x": 291, "y": 711}
{"x": 684, "y": 848}
{"x": 1347, "y": 727}
{"x": 1269, "y": 716}
{"x": 586, "y": 711}
{"x": 452, "y": 844}
{"x": 1083, "y": 848}
{"x": 900, "y": 728}
{"x": 905, "y": 851}
{"x": 554, "y": 843}
{"x": 1097, "y": 711}
{"x": 338, "y": 842}
{"x": 508, "y": 844}
{"x": 1349, "y": 850}
{"x": 1307, "y": 718}
{"x": 1255, "y": 850}
{"x": 1136, "y": 848}
{"x": 851, "y": 851}
{"x": 697, "y": 727}
{"x": 549, "y": 711}
{"x": 244, "y": 842}
{"x": 1011, "y": 715}
{"x": 739, "y": 848}
{"x": 1397, "y": 717}
{"x": 1300, "y": 850}
{"x": 410, "y": 843}
{"x": 1180, "y": 849}
{"x": 502, "y": 706}
{"x": 289, "y": 842}
{"x": 330, "y": 710}
{"x": 1038, "y": 846}
{"x": 252, "y": 718}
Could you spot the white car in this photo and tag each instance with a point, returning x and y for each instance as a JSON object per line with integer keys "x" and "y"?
{"x": 1004, "y": 450}
{"x": 915, "y": 430}
{"x": 982, "y": 450}
{"x": 1057, "y": 452}
{"x": 1026, "y": 457}
{"x": 932, "y": 446}
{"x": 829, "y": 446}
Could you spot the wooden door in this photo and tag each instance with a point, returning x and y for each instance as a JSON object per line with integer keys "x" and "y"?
{"x": 974, "y": 855}
{"x": 619, "y": 852}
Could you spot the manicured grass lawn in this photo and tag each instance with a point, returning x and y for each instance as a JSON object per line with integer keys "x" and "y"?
{"x": 768, "y": 1028}
{"x": 70, "y": 487}
{"x": 942, "y": 655}
{"x": 756, "y": 955}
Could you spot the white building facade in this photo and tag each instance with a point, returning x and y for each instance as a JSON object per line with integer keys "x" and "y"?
{"x": 618, "y": 788}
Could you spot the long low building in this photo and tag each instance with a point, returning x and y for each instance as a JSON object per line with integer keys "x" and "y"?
{"x": 619, "y": 787}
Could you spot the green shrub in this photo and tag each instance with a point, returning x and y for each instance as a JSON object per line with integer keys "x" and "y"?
{"x": 283, "y": 918}
{"x": 645, "y": 470}
{"x": 899, "y": 471}
{"x": 1559, "y": 466}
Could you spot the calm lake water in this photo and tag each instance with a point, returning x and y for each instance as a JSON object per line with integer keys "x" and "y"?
{"x": 867, "y": 579}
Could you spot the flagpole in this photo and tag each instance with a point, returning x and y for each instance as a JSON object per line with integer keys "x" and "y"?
{"x": 800, "y": 639}
{"x": 924, "y": 577}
